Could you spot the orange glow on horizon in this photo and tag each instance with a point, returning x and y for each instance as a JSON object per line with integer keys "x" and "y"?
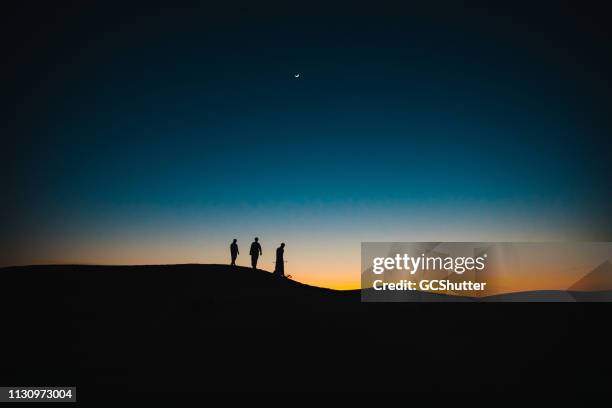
{"x": 310, "y": 261}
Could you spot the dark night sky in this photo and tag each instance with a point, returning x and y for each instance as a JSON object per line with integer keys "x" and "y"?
{"x": 173, "y": 129}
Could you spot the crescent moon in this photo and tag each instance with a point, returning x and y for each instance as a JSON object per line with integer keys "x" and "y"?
{"x": 297, "y": 75}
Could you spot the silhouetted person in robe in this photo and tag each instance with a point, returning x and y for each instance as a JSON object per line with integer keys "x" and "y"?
{"x": 234, "y": 251}
{"x": 280, "y": 261}
{"x": 255, "y": 252}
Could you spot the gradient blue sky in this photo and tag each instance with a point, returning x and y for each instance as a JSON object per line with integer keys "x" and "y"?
{"x": 158, "y": 135}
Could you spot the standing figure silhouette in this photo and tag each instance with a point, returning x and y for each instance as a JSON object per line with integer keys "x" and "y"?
{"x": 280, "y": 262}
{"x": 255, "y": 252}
{"x": 234, "y": 251}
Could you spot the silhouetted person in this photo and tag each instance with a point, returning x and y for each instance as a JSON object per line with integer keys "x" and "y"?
{"x": 234, "y": 251}
{"x": 280, "y": 262}
{"x": 255, "y": 252}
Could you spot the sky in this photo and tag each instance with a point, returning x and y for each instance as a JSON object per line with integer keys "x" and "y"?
{"x": 157, "y": 134}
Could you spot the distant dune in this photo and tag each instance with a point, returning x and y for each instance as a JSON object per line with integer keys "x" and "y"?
{"x": 599, "y": 279}
{"x": 530, "y": 296}
{"x": 223, "y": 282}
{"x": 551, "y": 296}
